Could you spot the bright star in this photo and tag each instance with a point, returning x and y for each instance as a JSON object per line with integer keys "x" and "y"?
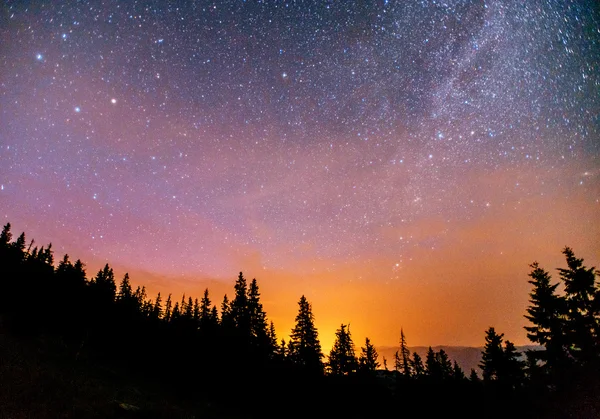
{"x": 77, "y": 109}
{"x": 113, "y": 101}
{"x": 39, "y": 57}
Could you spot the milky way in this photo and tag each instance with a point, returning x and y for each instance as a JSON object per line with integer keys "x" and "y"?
{"x": 404, "y": 156}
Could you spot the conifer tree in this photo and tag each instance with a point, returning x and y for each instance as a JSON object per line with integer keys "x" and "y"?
{"x": 368, "y": 357}
{"x": 432, "y": 368}
{"x": 457, "y": 372}
{"x": 5, "y": 236}
{"x": 404, "y": 356}
{"x": 444, "y": 364}
{"x": 214, "y": 314}
{"x": 240, "y": 313}
{"x": 104, "y": 285}
{"x": 257, "y": 318}
{"x": 176, "y": 314}
{"x": 473, "y": 377}
{"x": 227, "y": 322}
{"x": 19, "y": 244}
{"x": 124, "y": 289}
{"x": 168, "y": 312}
{"x": 196, "y": 314}
{"x": 304, "y": 346}
{"x": 512, "y": 373}
{"x": 205, "y": 306}
{"x": 492, "y": 358}
{"x": 189, "y": 310}
{"x": 582, "y": 319}
{"x": 272, "y": 338}
{"x": 281, "y": 351}
{"x": 397, "y": 362}
{"x": 546, "y": 312}
{"x": 157, "y": 310}
{"x": 417, "y": 365}
{"x": 342, "y": 360}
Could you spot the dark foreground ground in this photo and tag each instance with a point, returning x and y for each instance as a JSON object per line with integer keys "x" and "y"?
{"x": 41, "y": 378}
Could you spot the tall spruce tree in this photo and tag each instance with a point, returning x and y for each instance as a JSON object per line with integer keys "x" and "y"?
{"x": 258, "y": 319}
{"x": 168, "y": 310}
{"x": 512, "y": 373}
{"x": 432, "y": 366}
{"x": 546, "y": 312}
{"x": 240, "y": 312}
{"x": 405, "y": 367}
{"x": 582, "y": 319}
{"x": 342, "y": 359}
{"x": 444, "y": 363}
{"x": 368, "y": 357}
{"x": 417, "y": 365}
{"x": 492, "y": 357}
{"x": 457, "y": 372}
{"x": 304, "y": 348}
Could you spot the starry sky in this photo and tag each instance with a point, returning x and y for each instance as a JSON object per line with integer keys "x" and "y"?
{"x": 398, "y": 162}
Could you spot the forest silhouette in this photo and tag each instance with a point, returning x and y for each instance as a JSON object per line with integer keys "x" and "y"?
{"x": 228, "y": 351}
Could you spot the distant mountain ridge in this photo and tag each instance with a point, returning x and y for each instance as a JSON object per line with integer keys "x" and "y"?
{"x": 467, "y": 356}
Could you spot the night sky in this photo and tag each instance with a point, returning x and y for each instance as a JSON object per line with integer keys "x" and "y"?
{"x": 399, "y": 163}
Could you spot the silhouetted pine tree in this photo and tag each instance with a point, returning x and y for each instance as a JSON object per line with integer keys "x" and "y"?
{"x": 404, "y": 356}
{"x": 157, "y": 310}
{"x": 342, "y": 360}
{"x": 492, "y": 357}
{"x": 103, "y": 285}
{"x": 457, "y": 372}
{"x": 397, "y": 362}
{"x": 227, "y": 322}
{"x": 189, "y": 310}
{"x": 258, "y": 320}
{"x": 545, "y": 312}
{"x": 417, "y": 365}
{"x": 5, "y": 236}
{"x": 582, "y": 319}
{"x": 304, "y": 348}
{"x": 512, "y": 374}
{"x": 444, "y": 364}
{"x": 168, "y": 310}
{"x": 368, "y": 357}
{"x": 196, "y": 312}
{"x": 214, "y": 314}
{"x": 175, "y": 315}
{"x": 473, "y": 377}
{"x": 240, "y": 312}
{"x": 272, "y": 339}
{"x": 432, "y": 366}
{"x": 205, "y": 313}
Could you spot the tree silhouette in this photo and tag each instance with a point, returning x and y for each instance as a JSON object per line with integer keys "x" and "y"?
{"x": 512, "y": 373}
{"x": 304, "y": 347}
{"x": 103, "y": 285}
{"x": 444, "y": 363}
{"x": 417, "y": 365}
{"x": 168, "y": 310}
{"x": 240, "y": 312}
{"x": 457, "y": 372}
{"x": 492, "y": 357}
{"x": 258, "y": 320}
{"x": 405, "y": 366}
{"x": 545, "y": 312}
{"x": 368, "y": 357}
{"x": 582, "y": 325}
{"x": 434, "y": 369}
{"x": 342, "y": 360}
